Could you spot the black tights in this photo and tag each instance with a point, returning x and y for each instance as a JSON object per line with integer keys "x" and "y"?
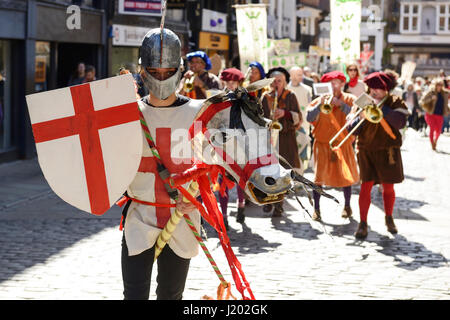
{"x": 137, "y": 274}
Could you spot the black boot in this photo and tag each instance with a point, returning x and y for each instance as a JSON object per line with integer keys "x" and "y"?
{"x": 240, "y": 218}
{"x": 277, "y": 212}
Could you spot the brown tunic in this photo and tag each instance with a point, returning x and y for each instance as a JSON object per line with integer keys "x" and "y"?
{"x": 288, "y": 147}
{"x": 379, "y": 156}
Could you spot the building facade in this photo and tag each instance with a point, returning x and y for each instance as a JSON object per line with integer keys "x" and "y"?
{"x": 39, "y": 51}
{"x": 127, "y": 29}
{"x": 421, "y": 34}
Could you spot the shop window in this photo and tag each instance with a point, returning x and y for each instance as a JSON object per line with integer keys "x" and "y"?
{"x": 42, "y": 65}
{"x": 6, "y": 128}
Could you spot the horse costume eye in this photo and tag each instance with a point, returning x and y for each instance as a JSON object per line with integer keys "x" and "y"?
{"x": 219, "y": 138}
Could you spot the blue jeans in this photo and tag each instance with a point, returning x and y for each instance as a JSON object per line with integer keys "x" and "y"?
{"x": 446, "y": 124}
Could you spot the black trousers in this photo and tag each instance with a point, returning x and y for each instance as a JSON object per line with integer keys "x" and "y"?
{"x": 137, "y": 274}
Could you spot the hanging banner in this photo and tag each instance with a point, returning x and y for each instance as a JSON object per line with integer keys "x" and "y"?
{"x": 345, "y": 30}
{"x": 408, "y": 68}
{"x": 288, "y": 61}
{"x": 140, "y": 7}
{"x": 251, "y": 21}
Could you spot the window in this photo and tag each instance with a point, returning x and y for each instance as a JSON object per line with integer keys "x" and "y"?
{"x": 410, "y": 17}
{"x": 444, "y": 18}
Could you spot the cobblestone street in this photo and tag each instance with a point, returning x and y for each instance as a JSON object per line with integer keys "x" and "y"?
{"x": 50, "y": 250}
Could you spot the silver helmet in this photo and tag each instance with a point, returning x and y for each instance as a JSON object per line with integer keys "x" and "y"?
{"x": 161, "y": 49}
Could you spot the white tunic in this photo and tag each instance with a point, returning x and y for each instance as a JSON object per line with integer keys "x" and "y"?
{"x": 303, "y": 94}
{"x": 144, "y": 223}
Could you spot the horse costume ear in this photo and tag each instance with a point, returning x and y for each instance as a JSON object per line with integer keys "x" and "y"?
{"x": 251, "y": 106}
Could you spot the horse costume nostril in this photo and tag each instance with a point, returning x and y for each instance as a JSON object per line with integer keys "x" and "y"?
{"x": 270, "y": 181}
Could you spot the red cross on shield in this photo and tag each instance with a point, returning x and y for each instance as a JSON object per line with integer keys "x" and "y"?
{"x": 88, "y": 140}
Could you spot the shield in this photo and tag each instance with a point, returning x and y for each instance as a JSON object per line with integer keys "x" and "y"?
{"x": 88, "y": 140}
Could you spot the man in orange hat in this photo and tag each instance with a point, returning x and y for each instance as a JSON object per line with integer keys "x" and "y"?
{"x": 332, "y": 168}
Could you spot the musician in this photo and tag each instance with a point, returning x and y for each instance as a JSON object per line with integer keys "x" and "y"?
{"x": 164, "y": 111}
{"x": 289, "y": 115}
{"x": 232, "y": 78}
{"x": 338, "y": 168}
{"x": 199, "y": 64}
{"x": 257, "y": 73}
{"x": 378, "y": 154}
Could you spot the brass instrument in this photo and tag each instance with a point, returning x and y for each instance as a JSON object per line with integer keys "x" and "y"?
{"x": 246, "y": 81}
{"x": 326, "y": 107}
{"x": 373, "y": 114}
{"x": 189, "y": 84}
{"x": 275, "y": 125}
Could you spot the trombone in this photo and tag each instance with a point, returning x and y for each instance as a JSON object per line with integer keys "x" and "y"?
{"x": 373, "y": 114}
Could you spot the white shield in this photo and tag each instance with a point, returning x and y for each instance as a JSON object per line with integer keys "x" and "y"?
{"x": 88, "y": 140}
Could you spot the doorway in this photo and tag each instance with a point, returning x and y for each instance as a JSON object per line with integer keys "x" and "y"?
{"x": 68, "y": 57}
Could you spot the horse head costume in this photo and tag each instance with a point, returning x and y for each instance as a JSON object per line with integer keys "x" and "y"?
{"x": 231, "y": 132}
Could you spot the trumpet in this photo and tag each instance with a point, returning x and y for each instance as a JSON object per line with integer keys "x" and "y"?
{"x": 373, "y": 114}
{"x": 326, "y": 107}
{"x": 189, "y": 84}
{"x": 275, "y": 125}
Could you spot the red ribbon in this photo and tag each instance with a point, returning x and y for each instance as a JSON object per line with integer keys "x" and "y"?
{"x": 213, "y": 216}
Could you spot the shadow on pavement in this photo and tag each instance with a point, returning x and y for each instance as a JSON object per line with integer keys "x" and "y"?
{"x": 26, "y": 242}
{"x": 408, "y": 255}
{"x": 403, "y": 208}
{"x": 340, "y": 230}
{"x": 419, "y": 179}
{"x": 301, "y": 230}
{"x": 246, "y": 240}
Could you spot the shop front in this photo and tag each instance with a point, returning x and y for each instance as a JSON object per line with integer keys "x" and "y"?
{"x": 12, "y": 36}
{"x": 125, "y": 43}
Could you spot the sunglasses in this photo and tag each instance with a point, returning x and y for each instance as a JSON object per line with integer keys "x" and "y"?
{"x": 352, "y": 70}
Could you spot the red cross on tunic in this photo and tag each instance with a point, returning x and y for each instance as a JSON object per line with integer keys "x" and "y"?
{"x": 86, "y": 123}
{"x": 149, "y": 164}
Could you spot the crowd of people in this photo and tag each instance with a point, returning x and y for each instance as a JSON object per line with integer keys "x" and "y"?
{"x": 307, "y": 130}
{"x": 325, "y": 133}
{"x": 368, "y": 152}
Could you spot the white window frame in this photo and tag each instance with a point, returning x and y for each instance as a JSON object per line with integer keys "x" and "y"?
{"x": 410, "y": 16}
{"x": 446, "y": 16}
